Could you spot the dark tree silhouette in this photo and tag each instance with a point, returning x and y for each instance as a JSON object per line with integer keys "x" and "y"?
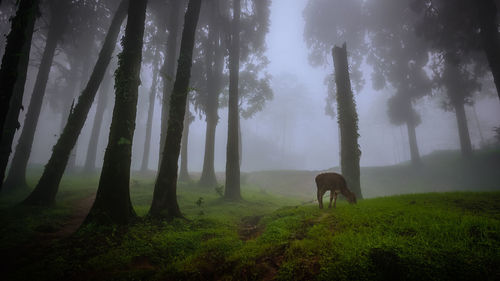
{"x": 232, "y": 153}
{"x": 16, "y": 177}
{"x": 214, "y": 54}
{"x": 112, "y": 203}
{"x": 13, "y": 76}
{"x": 48, "y": 185}
{"x": 164, "y": 203}
{"x": 348, "y": 121}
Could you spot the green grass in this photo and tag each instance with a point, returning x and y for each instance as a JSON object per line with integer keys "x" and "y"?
{"x": 429, "y": 236}
{"x": 439, "y": 236}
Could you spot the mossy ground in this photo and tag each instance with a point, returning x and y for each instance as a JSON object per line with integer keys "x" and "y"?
{"x": 431, "y": 236}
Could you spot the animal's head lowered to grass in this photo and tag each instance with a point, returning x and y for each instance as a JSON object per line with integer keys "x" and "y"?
{"x": 336, "y": 184}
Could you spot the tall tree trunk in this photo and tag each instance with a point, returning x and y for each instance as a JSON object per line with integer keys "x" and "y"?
{"x": 463, "y": 130}
{"x": 184, "y": 173}
{"x": 487, "y": 15}
{"x": 412, "y": 138}
{"x": 46, "y": 189}
{"x": 68, "y": 104}
{"x": 168, "y": 69}
{"x": 17, "y": 172}
{"x": 232, "y": 154}
{"x": 71, "y": 166}
{"x": 165, "y": 193}
{"x": 149, "y": 123}
{"x": 13, "y": 77}
{"x": 215, "y": 64}
{"x": 14, "y": 67}
{"x": 102, "y": 103}
{"x": 240, "y": 146}
{"x": 348, "y": 121}
{"x": 112, "y": 203}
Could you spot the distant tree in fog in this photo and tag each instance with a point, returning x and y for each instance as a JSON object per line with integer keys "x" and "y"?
{"x": 459, "y": 35}
{"x": 398, "y": 58}
{"x": 232, "y": 185}
{"x": 175, "y": 19}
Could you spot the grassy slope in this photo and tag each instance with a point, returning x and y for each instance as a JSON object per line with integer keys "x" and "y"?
{"x": 440, "y": 236}
{"x": 442, "y": 171}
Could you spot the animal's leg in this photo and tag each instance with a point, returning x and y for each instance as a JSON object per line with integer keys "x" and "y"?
{"x": 335, "y": 201}
{"x": 331, "y": 198}
{"x": 320, "y": 197}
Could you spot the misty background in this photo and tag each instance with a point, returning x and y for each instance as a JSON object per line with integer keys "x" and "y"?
{"x": 292, "y": 131}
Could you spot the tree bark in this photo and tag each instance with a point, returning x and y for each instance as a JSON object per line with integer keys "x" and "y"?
{"x": 149, "y": 122}
{"x": 184, "y": 173}
{"x": 17, "y": 172}
{"x": 215, "y": 64}
{"x": 169, "y": 67}
{"x": 412, "y": 138}
{"x": 13, "y": 77}
{"x": 463, "y": 130}
{"x": 68, "y": 106}
{"x": 164, "y": 203}
{"x": 112, "y": 203}
{"x": 102, "y": 103}
{"x": 487, "y": 16}
{"x": 348, "y": 122}
{"x": 14, "y": 66}
{"x": 48, "y": 185}
{"x": 232, "y": 154}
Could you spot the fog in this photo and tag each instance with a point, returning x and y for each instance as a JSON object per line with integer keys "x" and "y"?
{"x": 292, "y": 131}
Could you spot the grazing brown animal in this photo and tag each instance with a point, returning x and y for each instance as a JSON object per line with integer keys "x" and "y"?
{"x": 336, "y": 184}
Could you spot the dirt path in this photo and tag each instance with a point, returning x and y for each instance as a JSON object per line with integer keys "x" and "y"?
{"x": 80, "y": 209}
{"x": 13, "y": 259}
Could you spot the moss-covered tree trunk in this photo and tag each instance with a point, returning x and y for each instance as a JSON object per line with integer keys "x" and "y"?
{"x": 16, "y": 177}
{"x": 488, "y": 22}
{"x": 348, "y": 121}
{"x": 184, "y": 172}
{"x": 13, "y": 77}
{"x": 215, "y": 64}
{"x": 232, "y": 153}
{"x": 48, "y": 185}
{"x": 164, "y": 203}
{"x": 168, "y": 70}
{"x": 112, "y": 203}
{"x": 102, "y": 103}
{"x": 151, "y": 108}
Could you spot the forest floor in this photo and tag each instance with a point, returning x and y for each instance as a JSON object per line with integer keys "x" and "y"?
{"x": 269, "y": 235}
